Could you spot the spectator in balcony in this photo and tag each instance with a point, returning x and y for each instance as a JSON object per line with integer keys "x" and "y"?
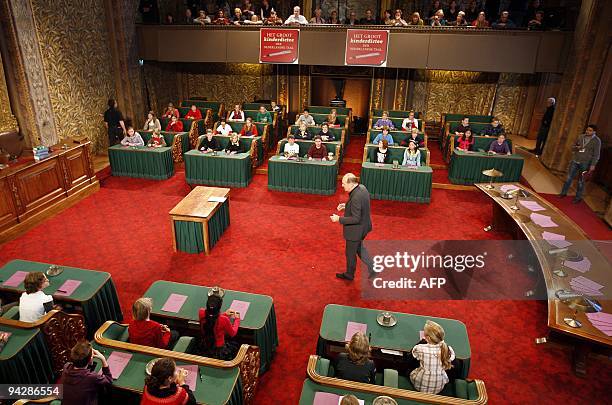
{"x": 188, "y": 17}
{"x": 273, "y": 19}
{"x": 306, "y": 118}
{"x": 495, "y": 128}
{"x": 472, "y": 11}
{"x": 452, "y": 11}
{"x": 438, "y": 19}
{"x": 333, "y": 18}
{"x": 397, "y": 20}
{"x": 223, "y": 128}
{"x": 194, "y": 113}
{"x": 247, "y": 9}
{"x": 265, "y": 9}
{"x": 369, "y": 18}
{"x": 387, "y": 17}
{"x": 174, "y": 125}
{"x": 537, "y": 24}
{"x": 254, "y": 20}
{"x": 152, "y": 123}
{"x": 317, "y": 19}
{"x": 534, "y": 7}
{"x": 480, "y": 21}
{"x": 435, "y": 6}
{"x": 170, "y": 111}
{"x": 169, "y": 19}
{"x": 504, "y": 22}
{"x": 302, "y": 132}
{"x": 296, "y": 18}
{"x": 352, "y": 19}
{"x": 384, "y": 121}
{"x": 249, "y": 129}
{"x": 149, "y": 11}
{"x": 202, "y": 18}
{"x": 221, "y": 18}
{"x": 459, "y": 21}
{"x": 238, "y": 18}
{"x": 415, "y": 19}
{"x": 237, "y": 114}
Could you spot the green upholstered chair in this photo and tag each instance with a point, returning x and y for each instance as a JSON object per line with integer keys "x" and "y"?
{"x": 120, "y": 332}
{"x": 338, "y": 133}
{"x": 398, "y": 136}
{"x": 395, "y": 113}
{"x": 321, "y": 118}
{"x": 217, "y": 109}
{"x": 318, "y": 109}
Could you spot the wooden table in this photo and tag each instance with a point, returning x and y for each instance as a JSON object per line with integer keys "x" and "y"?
{"x": 197, "y": 223}
{"x": 519, "y": 223}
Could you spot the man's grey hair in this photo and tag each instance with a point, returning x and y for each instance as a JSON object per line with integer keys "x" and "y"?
{"x": 552, "y": 100}
{"x": 350, "y": 178}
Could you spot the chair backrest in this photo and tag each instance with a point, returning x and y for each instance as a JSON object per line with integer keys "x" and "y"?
{"x": 477, "y": 127}
{"x": 473, "y": 118}
{"x": 255, "y": 106}
{"x": 245, "y": 141}
{"x": 321, "y": 118}
{"x": 319, "y": 109}
{"x": 213, "y": 105}
{"x": 62, "y": 331}
{"x": 397, "y": 122}
{"x": 336, "y": 132}
{"x": 398, "y": 136}
{"x": 117, "y": 331}
{"x": 484, "y": 142}
{"x": 397, "y": 153}
{"x": 395, "y": 113}
{"x": 333, "y": 147}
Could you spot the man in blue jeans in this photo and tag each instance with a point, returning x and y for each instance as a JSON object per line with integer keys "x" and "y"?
{"x": 585, "y": 157}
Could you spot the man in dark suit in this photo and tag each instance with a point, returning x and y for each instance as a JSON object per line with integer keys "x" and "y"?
{"x": 356, "y": 225}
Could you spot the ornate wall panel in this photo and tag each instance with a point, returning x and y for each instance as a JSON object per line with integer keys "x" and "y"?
{"x": 230, "y": 83}
{"x": 401, "y": 89}
{"x": 509, "y": 100}
{"x": 77, "y": 64}
{"x": 378, "y": 83}
{"x": 454, "y": 91}
{"x": 7, "y": 119}
{"x": 161, "y": 84}
{"x": 304, "y": 86}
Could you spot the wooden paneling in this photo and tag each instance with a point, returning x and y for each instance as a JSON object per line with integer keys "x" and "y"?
{"x": 8, "y": 210}
{"x": 40, "y": 186}
{"x": 77, "y": 166}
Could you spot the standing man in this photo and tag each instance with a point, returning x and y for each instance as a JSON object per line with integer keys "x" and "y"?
{"x": 356, "y": 224}
{"x": 113, "y": 120}
{"x": 545, "y": 126}
{"x": 585, "y": 158}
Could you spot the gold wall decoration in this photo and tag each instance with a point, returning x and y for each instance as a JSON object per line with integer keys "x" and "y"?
{"x": 77, "y": 64}
{"x": 304, "y": 86}
{"x": 511, "y": 92}
{"x": 7, "y": 119}
{"x": 401, "y": 88}
{"x": 283, "y": 86}
{"x": 161, "y": 83}
{"x": 378, "y": 83}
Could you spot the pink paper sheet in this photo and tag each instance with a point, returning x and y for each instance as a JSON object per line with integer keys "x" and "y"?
{"x": 590, "y": 284}
{"x": 68, "y": 287}
{"x": 16, "y": 279}
{"x": 192, "y": 377}
{"x": 542, "y": 220}
{"x": 582, "y": 266}
{"x": 532, "y": 205}
{"x": 508, "y": 187}
{"x": 325, "y": 398}
{"x": 174, "y": 303}
{"x": 240, "y": 306}
{"x": 354, "y": 327}
{"x": 556, "y": 239}
{"x": 117, "y": 361}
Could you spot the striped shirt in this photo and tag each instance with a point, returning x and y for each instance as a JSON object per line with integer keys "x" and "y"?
{"x": 430, "y": 376}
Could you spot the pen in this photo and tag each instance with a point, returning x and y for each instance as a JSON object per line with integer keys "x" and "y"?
{"x": 62, "y": 291}
{"x": 200, "y": 373}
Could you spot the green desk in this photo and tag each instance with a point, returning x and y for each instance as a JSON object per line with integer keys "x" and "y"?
{"x": 310, "y": 389}
{"x": 95, "y": 296}
{"x": 25, "y": 359}
{"x": 258, "y": 325}
{"x": 401, "y": 184}
{"x": 220, "y": 170}
{"x": 309, "y": 176}
{"x": 467, "y": 167}
{"x": 142, "y": 162}
{"x": 218, "y": 386}
{"x": 401, "y": 337}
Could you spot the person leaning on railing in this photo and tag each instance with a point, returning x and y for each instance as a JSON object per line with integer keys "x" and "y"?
{"x": 274, "y": 19}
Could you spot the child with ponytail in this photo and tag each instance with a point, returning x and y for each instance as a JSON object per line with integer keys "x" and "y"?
{"x": 166, "y": 385}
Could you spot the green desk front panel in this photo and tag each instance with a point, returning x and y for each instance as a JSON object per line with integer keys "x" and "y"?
{"x": 310, "y": 389}
{"x": 218, "y": 386}
{"x": 190, "y": 234}
{"x": 260, "y": 319}
{"x": 141, "y": 162}
{"x": 467, "y": 167}
{"x": 310, "y": 176}
{"x": 402, "y": 184}
{"x": 401, "y": 337}
{"x": 96, "y": 295}
{"x": 220, "y": 170}
{"x": 25, "y": 358}
{"x": 169, "y": 138}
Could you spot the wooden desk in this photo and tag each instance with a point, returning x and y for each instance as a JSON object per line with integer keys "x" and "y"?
{"x": 194, "y": 219}
{"x": 518, "y": 223}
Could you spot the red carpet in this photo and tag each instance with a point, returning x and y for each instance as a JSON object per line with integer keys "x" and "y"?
{"x": 283, "y": 245}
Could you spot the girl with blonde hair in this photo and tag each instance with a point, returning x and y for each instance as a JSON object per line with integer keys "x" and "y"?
{"x": 355, "y": 364}
{"x": 435, "y": 357}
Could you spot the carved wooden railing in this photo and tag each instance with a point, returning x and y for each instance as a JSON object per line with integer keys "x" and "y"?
{"x": 393, "y": 392}
{"x": 247, "y": 359}
{"x": 193, "y": 134}
{"x": 62, "y": 331}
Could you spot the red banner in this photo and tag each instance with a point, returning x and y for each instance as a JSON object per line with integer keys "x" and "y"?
{"x": 279, "y": 45}
{"x": 366, "y": 47}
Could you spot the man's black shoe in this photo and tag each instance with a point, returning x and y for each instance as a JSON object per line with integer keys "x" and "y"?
{"x": 576, "y": 200}
{"x": 343, "y": 276}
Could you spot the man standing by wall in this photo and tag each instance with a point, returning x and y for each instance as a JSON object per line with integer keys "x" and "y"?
{"x": 585, "y": 158}
{"x": 545, "y": 126}
{"x": 356, "y": 225}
